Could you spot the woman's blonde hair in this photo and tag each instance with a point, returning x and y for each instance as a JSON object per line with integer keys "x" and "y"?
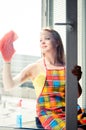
{"x": 58, "y": 41}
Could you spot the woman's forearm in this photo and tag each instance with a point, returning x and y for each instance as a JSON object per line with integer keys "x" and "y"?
{"x": 7, "y": 76}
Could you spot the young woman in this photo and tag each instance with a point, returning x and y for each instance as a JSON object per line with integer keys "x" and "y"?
{"x": 48, "y": 77}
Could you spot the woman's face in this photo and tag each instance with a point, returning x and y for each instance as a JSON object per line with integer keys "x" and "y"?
{"x": 47, "y": 42}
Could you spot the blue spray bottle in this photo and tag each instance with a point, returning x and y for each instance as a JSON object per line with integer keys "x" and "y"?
{"x": 19, "y": 114}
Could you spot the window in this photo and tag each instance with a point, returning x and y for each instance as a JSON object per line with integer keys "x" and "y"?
{"x": 24, "y": 17}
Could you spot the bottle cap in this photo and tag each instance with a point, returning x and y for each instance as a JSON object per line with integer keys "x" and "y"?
{"x": 19, "y": 104}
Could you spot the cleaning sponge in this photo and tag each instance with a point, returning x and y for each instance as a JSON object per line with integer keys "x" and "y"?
{"x": 6, "y": 45}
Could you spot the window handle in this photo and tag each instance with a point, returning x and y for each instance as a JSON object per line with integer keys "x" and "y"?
{"x": 70, "y": 25}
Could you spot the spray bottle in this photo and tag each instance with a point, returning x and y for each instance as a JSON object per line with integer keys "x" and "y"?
{"x": 19, "y": 114}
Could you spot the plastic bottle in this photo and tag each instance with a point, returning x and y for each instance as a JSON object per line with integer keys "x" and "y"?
{"x": 19, "y": 114}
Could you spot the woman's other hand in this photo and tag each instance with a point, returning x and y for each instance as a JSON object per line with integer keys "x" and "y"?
{"x": 77, "y": 72}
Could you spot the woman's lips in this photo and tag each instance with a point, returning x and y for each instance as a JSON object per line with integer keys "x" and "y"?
{"x": 43, "y": 46}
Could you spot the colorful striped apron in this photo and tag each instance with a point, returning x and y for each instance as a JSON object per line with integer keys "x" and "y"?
{"x": 51, "y": 102}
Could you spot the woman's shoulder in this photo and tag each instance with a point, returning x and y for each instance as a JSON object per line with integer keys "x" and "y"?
{"x": 39, "y": 61}
{"x": 37, "y": 67}
{"x": 35, "y": 64}
{"x": 38, "y": 64}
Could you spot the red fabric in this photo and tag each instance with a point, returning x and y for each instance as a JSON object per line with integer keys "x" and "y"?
{"x": 6, "y": 45}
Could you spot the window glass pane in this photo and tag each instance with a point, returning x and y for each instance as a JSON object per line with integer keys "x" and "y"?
{"x": 59, "y": 16}
{"x": 82, "y": 48}
{"x": 23, "y": 17}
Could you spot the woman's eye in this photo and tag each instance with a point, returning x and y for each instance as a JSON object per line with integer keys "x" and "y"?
{"x": 40, "y": 40}
{"x": 47, "y": 38}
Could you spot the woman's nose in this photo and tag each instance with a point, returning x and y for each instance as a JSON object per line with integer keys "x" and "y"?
{"x": 43, "y": 42}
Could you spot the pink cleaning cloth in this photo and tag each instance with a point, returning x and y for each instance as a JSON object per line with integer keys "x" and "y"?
{"x": 6, "y": 45}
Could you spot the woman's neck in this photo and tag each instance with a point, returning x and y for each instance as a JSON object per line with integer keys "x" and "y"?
{"x": 51, "y": 60}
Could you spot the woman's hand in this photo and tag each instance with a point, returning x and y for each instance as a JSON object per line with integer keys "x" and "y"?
{"x": 77, "y": 72}
{"x": 6, "y": 45}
